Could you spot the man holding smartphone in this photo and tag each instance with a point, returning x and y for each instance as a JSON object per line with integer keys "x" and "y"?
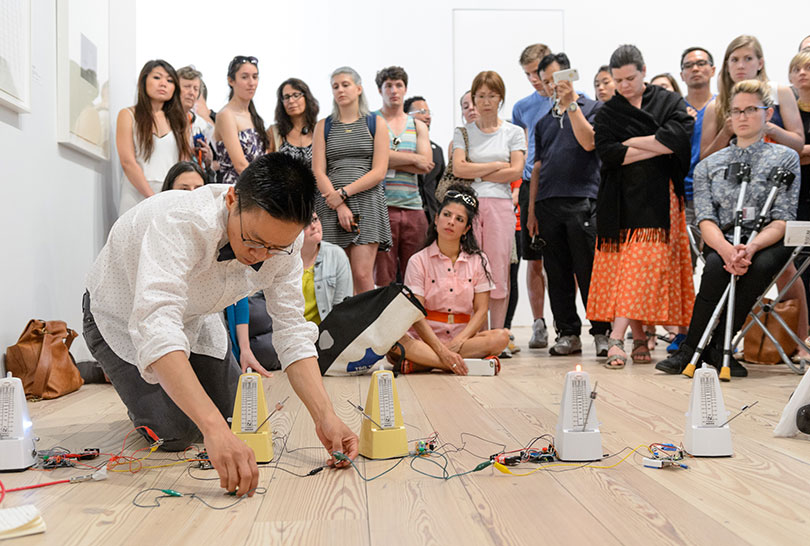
{"x": 562, "y": 201}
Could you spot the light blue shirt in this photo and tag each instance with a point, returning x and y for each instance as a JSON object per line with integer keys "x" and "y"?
{"x": 525, "y": 114}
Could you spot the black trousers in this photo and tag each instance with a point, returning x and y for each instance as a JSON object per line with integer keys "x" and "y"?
{"x": 765, "y": 265}
{"x": 149, "y": 405}
{"x": 513, "y": 286}
{"x": 568, "y": 225}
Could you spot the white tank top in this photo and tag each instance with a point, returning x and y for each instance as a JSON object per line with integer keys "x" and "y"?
{"x": 164, "y": 155}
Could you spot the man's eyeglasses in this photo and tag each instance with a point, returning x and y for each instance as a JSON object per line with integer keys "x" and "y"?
{"x": 689, "y": 65}
{"x": 250, "y": 243}
{"x": 466, "y": 198}
{"x": 748, "y": 111}
{"x": 292, "y": 96}
{"x": 421, "y": 112}
{"x": 241, "y": 59}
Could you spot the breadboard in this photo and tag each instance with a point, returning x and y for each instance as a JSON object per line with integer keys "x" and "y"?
{"x": 18, "y": 447}
{"x": 707, "y": 431}
{"x": 249, "y": 421}
{"x": 389, "y": 439}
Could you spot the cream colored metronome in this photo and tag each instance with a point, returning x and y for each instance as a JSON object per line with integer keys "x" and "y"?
{"x": 382, "y": 435}
{"x": 707, "y": 431}
{"x": 250, "y": 422}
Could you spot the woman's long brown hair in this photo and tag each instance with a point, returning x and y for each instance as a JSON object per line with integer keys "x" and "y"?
{"x": 172, "y": 108}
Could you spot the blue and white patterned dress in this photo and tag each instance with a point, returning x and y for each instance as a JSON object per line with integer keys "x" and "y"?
{"x": 251, "y": 147}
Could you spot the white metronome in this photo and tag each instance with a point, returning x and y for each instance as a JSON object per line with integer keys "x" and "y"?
{"x": 578, "y": 437}
{"x": 250, "y": 419}
{"x": 707, "y": 431}
{"x": 18, "y": 447}
{"x": 382, "y": 434}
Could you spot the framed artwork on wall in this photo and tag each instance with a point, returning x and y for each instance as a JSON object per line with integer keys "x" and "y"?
{"x": 83, "y": 76}
{"x": 15, "y": 55}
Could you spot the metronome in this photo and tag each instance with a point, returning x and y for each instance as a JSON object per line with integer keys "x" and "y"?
{"x": 578, "y": 437}
{"x": 707, "y": 431}
{"x": 18, "y": 447}
{"x": 382, "y": 433}
{"x": 250, "y": 421}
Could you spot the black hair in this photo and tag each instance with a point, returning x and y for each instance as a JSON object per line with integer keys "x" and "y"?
{"x": 469, "y": 243}
{"x": 281, "y": 185}
{"x": 410, "y": 100}
{"x": 689, "y": 50}
{"x": 311, "y": 109}
{"x": 603, "y": 68}
{"x": 258, "y": 122}
{"x": 178, "y": 169}
{"x": 391, "y": 73}
{"x": 626, "y": 54}
{"x": 559, "y": 58}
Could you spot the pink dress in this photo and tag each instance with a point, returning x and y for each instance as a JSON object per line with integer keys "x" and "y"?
{"x": 446, "y": 287}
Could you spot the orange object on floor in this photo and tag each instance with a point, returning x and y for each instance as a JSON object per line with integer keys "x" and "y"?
{"x": 650, "y": 281}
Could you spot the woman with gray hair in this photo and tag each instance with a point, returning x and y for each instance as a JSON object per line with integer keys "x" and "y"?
{"x": 349, "y": 160}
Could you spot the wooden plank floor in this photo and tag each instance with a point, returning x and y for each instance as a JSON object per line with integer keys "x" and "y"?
{"x": 759, "y": 496}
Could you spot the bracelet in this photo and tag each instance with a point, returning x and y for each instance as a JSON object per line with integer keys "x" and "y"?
{"x": 344, "y": 194}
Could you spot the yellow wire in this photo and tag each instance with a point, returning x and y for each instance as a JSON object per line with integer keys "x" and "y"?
{"x": 505, "y": 470}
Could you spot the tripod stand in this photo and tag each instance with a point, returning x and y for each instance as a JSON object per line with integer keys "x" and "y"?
{"x": 741, "y": 172}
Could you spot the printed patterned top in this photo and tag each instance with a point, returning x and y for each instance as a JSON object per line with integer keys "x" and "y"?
{"x": 302, "y": 153}
{"x": 251, "y": 147}
{"x": 402, "y": 188}
{"x": 716, "y": 196}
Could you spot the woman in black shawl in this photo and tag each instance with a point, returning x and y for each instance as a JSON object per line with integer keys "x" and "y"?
{"x": 642, "y": 272}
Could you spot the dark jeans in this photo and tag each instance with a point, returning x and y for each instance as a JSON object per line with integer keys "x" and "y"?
{"x": 513, "y": 286}
{"x": 766, "y": 263}
{"x": 568, "y": 225}
{"x": 149, "y": 405}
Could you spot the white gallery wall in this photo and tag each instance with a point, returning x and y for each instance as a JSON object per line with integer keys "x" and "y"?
{"x": 58, "y": 205}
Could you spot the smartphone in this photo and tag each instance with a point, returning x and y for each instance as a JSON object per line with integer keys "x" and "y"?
{"x": 199, "y": 139}
{"x": 570, "y": 75}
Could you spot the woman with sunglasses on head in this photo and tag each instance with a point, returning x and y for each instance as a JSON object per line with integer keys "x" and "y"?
{"x": 349, "y": 160}
{"x": 239, "y": 132}
{"x": 450, "y": 278}
{"x": 744, "y": 60}
{"x": 151, "y": 136}
{"x": 497, "y": 152}
{"x": 296, "y": 116}
{"x": 642, "y": 272}
{"x": 756, "y": 261}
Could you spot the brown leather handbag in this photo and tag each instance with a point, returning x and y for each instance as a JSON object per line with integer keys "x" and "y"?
{"x": 41, "y": 359}
{"x": 758, "y": 348}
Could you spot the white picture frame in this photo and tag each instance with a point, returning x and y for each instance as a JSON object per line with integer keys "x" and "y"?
{"x": 15, "y": 55}
{"x": 83, "y": 73}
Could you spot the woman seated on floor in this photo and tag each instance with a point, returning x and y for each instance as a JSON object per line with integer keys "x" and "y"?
{"x": 757, "y": 261}
{"x": 327, "y": 281}
{"x": 451, "y": 279}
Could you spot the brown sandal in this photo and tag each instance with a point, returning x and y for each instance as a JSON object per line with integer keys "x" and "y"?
{"x": 641, "y": 353}
{"x": 618, "y": 361}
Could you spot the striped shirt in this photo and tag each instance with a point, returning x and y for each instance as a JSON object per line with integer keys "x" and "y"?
{"x": 402, "y": 188}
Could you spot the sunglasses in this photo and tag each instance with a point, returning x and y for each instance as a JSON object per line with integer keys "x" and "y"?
{"x": 241, "y": 59}
{"x": 466, "y": 198}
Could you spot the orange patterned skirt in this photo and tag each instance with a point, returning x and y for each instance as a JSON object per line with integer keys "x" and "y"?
{"x": 646, "y": 281}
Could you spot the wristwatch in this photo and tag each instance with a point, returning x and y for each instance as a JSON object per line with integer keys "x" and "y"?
{"x": 343, "y": 194}
{"x": 573, "y": 107}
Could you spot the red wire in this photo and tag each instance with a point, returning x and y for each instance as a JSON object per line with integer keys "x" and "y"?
{"x": 2, "y": 492}
{"x": 34, "y": 486}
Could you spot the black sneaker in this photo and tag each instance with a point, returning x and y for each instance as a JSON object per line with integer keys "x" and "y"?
{"x": 714, "y": 356}
{"x": 676, "y": 362}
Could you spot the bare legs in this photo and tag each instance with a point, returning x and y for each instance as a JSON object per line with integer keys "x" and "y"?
{"x": 361, "y": 259}
{"x": 536, "y": 288}
{"x": 481, "y": 345}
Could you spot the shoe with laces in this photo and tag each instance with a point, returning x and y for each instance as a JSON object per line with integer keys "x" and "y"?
{"x": 539, "y": 339}
{"x": 566, "y": 345}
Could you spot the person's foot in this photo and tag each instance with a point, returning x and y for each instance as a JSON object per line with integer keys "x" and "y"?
{"x": 616, "y": 357}
{"x": 513, "y": 348}
{"x": 539, "y": 339}
{"x": 600, "y": 341}
{"x": 676, "y": 362}
{"x": 676, "y": 342}
{"x": 641, "y": 352}
{"x": 566, "y": 345}
{"x": 714, "y": 356}
{"x": 506, "y": 353}
{"x": 651, "y": 340}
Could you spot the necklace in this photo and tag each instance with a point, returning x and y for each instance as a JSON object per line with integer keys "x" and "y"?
{"x": 803, "y": 106}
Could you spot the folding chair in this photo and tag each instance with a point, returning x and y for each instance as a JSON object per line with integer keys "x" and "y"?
{"x": 797, "y": 234}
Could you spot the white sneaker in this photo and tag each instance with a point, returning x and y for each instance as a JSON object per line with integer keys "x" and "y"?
{"x": 601, "y": 343}
{"x": 539, "y": 338}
